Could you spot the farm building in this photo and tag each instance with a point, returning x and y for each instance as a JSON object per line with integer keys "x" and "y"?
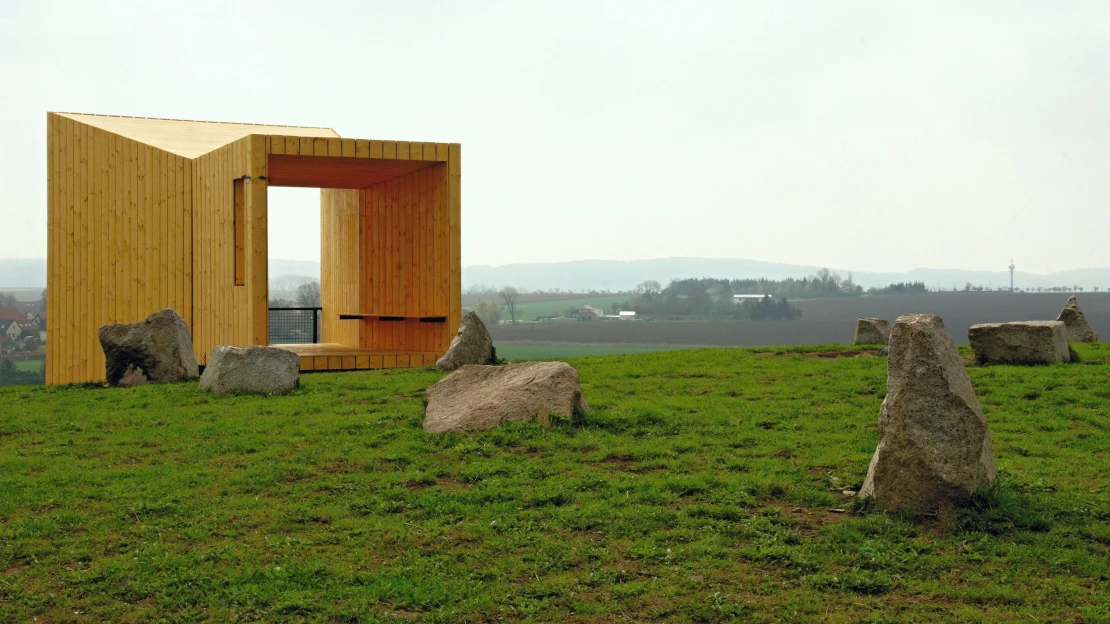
{"x": 146, "y": 214}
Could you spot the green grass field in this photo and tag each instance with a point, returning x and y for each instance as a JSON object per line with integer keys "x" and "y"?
{"x": 29, "y": 366}
{"x": 529, "y": 311}
{"x": 517, "y": 351}
{"x": 698, "y": 489}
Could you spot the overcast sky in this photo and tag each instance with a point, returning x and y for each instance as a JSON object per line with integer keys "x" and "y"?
{"x": 857, "y": 135}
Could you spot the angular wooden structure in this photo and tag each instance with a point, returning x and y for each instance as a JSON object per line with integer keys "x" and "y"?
{"x": 145, "y": 214}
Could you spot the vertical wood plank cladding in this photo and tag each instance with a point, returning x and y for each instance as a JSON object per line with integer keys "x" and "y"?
{"x": 177, "y": 209}
{"x": 82, "y": 288}
{"x": 77, "y": 277}
{"x": 156, "y": 228}
{"x": 374, "y": 221}
{"x": 226, "y": 171}
{"x": 169, "y": 231}
{"x": 200, "y": 247}
{"x": 65, "y": 255}
{"x": 339, "y": 267}
{"x": 143, "y": 213}
{"x": 222, "y": 313}
{"x": 259, "y": 290}
{"x": 439, "y": 237}
{"x": 328, "y": 277}
{"x": 239, "y": 219}
{"x": 399, "y": 196}
{"x": 73, "y": 353}
{"x": 454, "y": 289}
{"x": 51, "y": 243}
{"x": 230, "y": 168}
{"x": 188, "y": 243}
{"x": 100, "y": 240}
{"x": 424, "y": 264}
{"x": 404, "y": 231}
{"x": 131, "y": 208}
{"x": 115, "y": 246}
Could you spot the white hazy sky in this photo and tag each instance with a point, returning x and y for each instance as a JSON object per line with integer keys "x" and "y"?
{"x": 875, "y": 135}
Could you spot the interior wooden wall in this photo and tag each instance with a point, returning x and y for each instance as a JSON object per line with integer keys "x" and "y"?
{"x": 223, "y": 313}
{"x": 340, "y": 253}
{"x": 119, "y": 224}
{"x": 408, "y": 245}
{"x": 406, "y": 263}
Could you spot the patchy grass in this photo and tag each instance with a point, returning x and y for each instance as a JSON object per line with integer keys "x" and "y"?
{"x": 704, "y": 486}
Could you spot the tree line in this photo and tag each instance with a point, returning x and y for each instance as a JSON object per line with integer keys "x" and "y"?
{"x": 709, "y": 296}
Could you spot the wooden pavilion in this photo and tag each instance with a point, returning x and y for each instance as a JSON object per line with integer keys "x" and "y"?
{"x": 145, "y": 214}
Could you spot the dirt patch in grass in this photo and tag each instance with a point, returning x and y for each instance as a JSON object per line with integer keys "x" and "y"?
{"x": 811, "y": 519}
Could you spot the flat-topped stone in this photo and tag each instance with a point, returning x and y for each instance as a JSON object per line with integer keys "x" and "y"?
{"x": 1025, "y": 342}
{"x": 477, "y": 397}
{"x": 256, "y": 369}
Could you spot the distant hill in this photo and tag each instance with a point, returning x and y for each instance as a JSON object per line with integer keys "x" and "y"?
{"x": 307, "y": 268}
{"x": 618, "y": 275}
{"x": 22, "y": 273}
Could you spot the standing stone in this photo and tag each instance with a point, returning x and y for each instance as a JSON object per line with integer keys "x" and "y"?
{"x": 934, "y": 443}
{"x": 872, "y": 331}
{"x": 1027, "y": 342}
{"x": 1075, "y": 324}
{"x": 471, "y": 345}
{"x": 259, "y": 370}
{"x": 482, "y": 397}
{"x": 157, "y": 349}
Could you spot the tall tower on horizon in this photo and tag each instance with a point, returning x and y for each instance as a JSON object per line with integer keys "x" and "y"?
{"x": 1011, "y": 275}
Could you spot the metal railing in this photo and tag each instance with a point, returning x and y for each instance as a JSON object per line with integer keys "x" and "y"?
{"x": 294, "y": 325}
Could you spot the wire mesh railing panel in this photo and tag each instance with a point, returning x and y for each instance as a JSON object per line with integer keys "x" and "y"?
{"x": 294, "y": 325}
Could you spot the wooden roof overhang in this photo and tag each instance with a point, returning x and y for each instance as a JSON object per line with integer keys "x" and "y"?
{"x": 336, "y": 172}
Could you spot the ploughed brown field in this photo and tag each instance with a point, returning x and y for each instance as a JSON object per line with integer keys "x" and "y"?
{"x": 823, "y": 321}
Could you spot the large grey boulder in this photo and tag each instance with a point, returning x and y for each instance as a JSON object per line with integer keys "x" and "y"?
{"x": 1075, "y": 324}
{"x": 472, "y": 344}
{"x": 481, "y": 397}
{"x": 157, "y": 349}
{"x": 872, "y": 331}
{"x": 260, "y": 370}
{"x": 1027, "y": 342}
{"x": 934, "y": 443}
